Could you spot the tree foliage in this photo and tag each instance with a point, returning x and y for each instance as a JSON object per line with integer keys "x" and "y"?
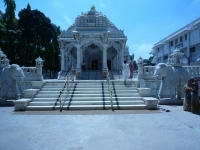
{"x": 9, "y": 30}
{"x": 29, "y": 37}
{"x": 148, "y": 63}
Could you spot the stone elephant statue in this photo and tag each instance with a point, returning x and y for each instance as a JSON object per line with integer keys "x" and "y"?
{"x": 12, "y": 77}
{"x": 173, "y": 78}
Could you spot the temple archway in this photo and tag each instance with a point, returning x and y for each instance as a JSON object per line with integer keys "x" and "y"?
{"x": 92, "y": 56}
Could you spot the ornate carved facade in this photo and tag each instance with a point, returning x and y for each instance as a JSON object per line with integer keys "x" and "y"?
{"x": 94, "y": 40}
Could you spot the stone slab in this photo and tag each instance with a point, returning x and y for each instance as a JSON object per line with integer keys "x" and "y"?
{"x": 21, "y": 104}
{"x": 144, "y": 92}
{"x": 30, "y": 93}
{"x": 151, "y": 102}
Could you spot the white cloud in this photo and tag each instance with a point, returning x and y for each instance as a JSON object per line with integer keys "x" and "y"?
{"x": 60, "y": 5}
{"x": 102, "y": 4}
{"x": 196, "y": 1}
{"x": 57, "y": 3}
{"x": 141, "y": 50}
{"x": 68, "y": 20}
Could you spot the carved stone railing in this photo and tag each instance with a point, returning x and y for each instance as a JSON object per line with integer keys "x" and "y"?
{"x": 29, "y": 71}
{"x": 32, "y": 74}
{"x": 193, "y": 70}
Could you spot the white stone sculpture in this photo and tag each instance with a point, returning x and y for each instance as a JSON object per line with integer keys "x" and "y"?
{"x": 172, "y": 78}
{"x": 140, "y": 61}
{"x": 198, "y": 59}
{"x": 11, "y": 77}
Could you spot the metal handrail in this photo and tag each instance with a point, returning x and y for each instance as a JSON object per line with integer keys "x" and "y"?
{"x": 109, "y": 89}
{"x": 66, "y": 86}
{"x": 60, "y": 101}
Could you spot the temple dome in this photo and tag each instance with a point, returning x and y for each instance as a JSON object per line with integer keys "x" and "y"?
{"x": 93, "y": 20}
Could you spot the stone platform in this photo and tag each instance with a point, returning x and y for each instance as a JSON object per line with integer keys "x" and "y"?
{"x": 100, "y": 129}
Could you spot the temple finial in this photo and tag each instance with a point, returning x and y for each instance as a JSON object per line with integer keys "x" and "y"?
{"x": 93, "y": 7}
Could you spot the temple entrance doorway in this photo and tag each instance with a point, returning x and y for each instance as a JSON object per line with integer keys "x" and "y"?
{"x": 94, "y": 65}
{"x": 92, "y": 56}
{"x": 109, "y": 64}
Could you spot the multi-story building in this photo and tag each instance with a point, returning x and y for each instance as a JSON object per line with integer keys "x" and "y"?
{"x": 186, "y": 39}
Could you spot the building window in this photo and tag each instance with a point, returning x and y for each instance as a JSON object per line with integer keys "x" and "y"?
{"x": 176, "y": 41}
{"x": 181, "y": 39}
{"x": 165, "y": 57}
{"x": 192, "y": 49}
{"x": 185, "y": 37}
{"x": 158, "y": 49}
{"x": 171, "y": 43}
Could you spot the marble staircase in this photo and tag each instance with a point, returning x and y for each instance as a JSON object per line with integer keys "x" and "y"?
{"x": 93, "y": 75}
{"x": 87, "y": 95}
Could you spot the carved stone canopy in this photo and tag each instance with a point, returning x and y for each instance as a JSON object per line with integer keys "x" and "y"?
{"x": 93, "y": 46}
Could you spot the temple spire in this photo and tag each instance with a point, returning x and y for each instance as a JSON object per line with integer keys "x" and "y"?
{"x": 93, "y": 7}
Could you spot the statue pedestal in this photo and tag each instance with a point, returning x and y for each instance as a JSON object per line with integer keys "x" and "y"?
{"x": 21, "y": 104}
{"x": 78, "y": 74}
{"x": 104, "y": 73}
{"x": 151, "y": 102}
{"x": 144, "y": 92}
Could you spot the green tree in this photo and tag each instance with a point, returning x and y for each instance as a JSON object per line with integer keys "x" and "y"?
{"x": 149, "y": 62}
{"x": 39, "y": 38}
{"x": 9, "y": 31}
{"x": 135, "y": 65}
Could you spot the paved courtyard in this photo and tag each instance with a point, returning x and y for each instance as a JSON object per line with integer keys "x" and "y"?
{"x": 100, "y": 130}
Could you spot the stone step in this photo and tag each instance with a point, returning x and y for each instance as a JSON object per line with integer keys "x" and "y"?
{"x": 88, "y": 95}
{"x": 86, "y": 99}
{"x": 87, "y": 107}
{"x": 54, "y": 86}
{"x": 117, "y": 88}
{"x": 88, "y": 84}
{"x": 54, "y": 83}
{"x": 55, "y": 89}
{"x": 89, "y": 89}
{"x": 65, "y": 103}
{"x": 99, "y": 91}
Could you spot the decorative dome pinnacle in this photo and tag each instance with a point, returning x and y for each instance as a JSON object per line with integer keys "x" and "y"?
{"x": 93, "y": 7}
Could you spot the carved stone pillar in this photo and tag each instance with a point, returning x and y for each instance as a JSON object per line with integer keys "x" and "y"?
{"x": 104, "y": 69}
{"x": 66, "y": 62}
{"x": 122, "y": 56}
{"x": 62, "y": 60}
{"x": 81, "y": 53}
{"x": 78, "y": 67}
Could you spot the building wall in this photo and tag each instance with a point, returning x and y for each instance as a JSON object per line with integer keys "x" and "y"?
{"x": 186, "y": 39}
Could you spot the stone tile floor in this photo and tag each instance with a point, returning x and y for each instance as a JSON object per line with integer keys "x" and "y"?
{"x": 100, "y": 130}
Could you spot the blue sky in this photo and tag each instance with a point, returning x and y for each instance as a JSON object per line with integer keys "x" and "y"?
{"x": 144, "y": 22}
